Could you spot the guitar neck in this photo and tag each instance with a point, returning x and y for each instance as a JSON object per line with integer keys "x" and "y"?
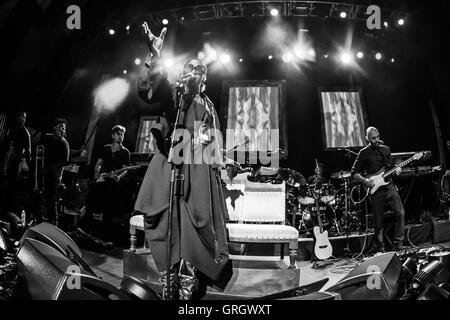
{"x": 400, "y": 165}
{"x": 318, "y": 216}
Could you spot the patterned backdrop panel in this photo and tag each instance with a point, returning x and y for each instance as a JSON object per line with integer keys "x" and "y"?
{"x": 253, "y": 112}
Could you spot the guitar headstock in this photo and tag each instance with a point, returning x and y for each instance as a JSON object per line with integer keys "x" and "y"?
{"x": 418, "y": 155}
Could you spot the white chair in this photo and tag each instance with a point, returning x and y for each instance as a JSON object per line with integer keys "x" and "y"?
{"x": 258, "y": 216}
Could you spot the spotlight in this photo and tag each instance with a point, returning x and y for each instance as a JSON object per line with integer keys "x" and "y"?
{"x": 169, "y": 63}
{"x": 360, "y": 55}
{"x": 343, "y": 14}
{"x": 401, "y": 22}
{"x": 392, "y": 60}
{"x": 137, "y": 61}
{"x": 241, "y": 60}
{"x": 127, "y": 27}
{"x": 311, "y": 52}
{"x": 125, "y": 71}
{"x": 165, "y": 22}
{"x": 386, "y": 24}
{"x": 270, "y": 57}
{"x": 225, "y": 58}
{"x": 274, "y": 12}
{"x": 287, "y": 57}
{"x": 112, "y": 32}
{"x": 111, "y": 93}
{"x": 378, "y": 56}
{"x": 346, "y": 57}
{"x": 325, "y": 56}
{"x": 201, "y": 55}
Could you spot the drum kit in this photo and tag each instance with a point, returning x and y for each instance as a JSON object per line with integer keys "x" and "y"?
{"x": 341, "y": 202}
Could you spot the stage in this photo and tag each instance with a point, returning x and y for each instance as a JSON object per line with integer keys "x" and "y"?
{"x": 257, "y": 279}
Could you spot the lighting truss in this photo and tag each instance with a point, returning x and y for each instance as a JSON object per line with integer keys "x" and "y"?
{"x": 248, "y": 9}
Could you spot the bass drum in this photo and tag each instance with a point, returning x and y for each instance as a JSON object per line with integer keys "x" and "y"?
{"x": 309, "y": 219}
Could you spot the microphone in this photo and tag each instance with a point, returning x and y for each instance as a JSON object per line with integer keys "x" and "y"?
{"x": 182, "y": 81}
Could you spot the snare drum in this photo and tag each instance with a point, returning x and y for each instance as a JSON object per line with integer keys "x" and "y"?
{"x": 327, "y": 194}
{"x": 306, "y": 197}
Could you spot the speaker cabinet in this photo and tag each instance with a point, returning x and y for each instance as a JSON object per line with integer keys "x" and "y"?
{"x": 441, "y": 231}
{"x": 375, "y": 279}
{"x": 325, "y": 295}
{"x": 53, "y": 236}
{"x": 47, "y": 274}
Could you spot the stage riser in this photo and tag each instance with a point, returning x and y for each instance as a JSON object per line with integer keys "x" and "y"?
{"x": 249, "y": 280}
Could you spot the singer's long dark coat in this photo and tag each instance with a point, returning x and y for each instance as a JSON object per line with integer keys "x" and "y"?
{"x": 198, "y": 229}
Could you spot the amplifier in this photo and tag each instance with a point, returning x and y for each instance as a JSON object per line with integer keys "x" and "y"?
{"x": 441, "y": 231}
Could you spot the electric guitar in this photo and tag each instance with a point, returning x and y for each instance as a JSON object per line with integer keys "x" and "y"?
{"x": 114, "y": 173}
{"x": 322, "y": 248}
{"x": 379, "y": 177}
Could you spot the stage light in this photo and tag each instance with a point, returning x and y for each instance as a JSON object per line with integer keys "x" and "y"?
{"x": 201, "y": 55}
{"x": 270, "y": 57}
{"x": 325, "y": 56}
{"x": 241, "y": 60}
{"x": 274, "y": 12}
{"x": 287, "y": 57}
{"x": 137, "y": 61}
{"x": 111, "y": 93}
{"x": 346, "y": 57}
{"x": 378, "y": 56}
{"x": 401, "y": 22}
{"x": 168, "y": 63}
{"x": 225, "y": 58}
{"x": 311, "y": 52}
{"x": 127, "y": 27}
{"x": 392, "y": 60}
{"x": 124, "y": 71}
{"x": 343, "y": 14}
{"x": 208, "y": 54}
{"x": 165, "y": 22}
{"x": 360, "y": 55}
{"x": 112, "y": 32}
{"x": 386, "y": 24}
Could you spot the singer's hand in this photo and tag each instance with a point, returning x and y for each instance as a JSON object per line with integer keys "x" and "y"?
{"x": 154, "y": 43}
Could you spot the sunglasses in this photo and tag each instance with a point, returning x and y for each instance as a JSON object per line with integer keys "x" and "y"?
{"x": 199, "y": 69}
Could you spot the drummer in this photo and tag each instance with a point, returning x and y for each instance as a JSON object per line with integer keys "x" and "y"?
{"x": 319, "y": 175}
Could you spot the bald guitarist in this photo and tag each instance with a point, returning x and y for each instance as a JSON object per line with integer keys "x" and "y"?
{"x": 373, "y": 160}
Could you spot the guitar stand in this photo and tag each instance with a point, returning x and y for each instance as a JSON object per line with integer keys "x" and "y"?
{"x": 320, "y": 264}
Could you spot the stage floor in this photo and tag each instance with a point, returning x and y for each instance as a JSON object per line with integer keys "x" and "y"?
{"x": 109, "y": 266}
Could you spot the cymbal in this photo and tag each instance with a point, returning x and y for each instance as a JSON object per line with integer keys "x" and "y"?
{"x": 341, "y": 175}
{"x": 292, "y": 177}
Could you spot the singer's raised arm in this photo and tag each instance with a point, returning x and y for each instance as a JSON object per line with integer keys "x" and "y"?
{"x": 154, "y": 88}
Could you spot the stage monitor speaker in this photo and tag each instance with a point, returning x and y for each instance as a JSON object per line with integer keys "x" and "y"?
{"x": 46, "y": 274}
{"x": 296, "y": 292}
{"x": 53, "y": 236}
{"x": 325, "y": 295}
{"x": 375, "y": 279}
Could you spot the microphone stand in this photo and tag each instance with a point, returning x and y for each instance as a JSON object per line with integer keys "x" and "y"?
{"x": 347, "y": 251}
{"x": 176, "y": 177}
